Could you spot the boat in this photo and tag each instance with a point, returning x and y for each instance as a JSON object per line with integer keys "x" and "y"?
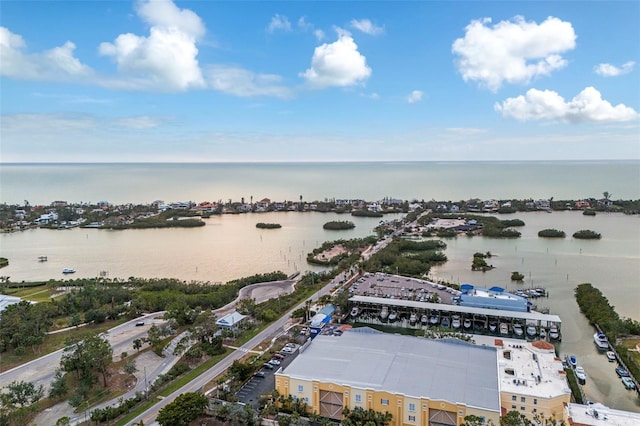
{"x": 581, "y": 374}
{"x": 393, "y": 315}
{"x": 455, "y": 321}
{"x": 413, "y": 318}
{"x": 354, "y": 311}
{"x": 611, "y": 356}
{"x": 531, "y": 331}
{"x": 493, "y": 326}
{"x": 424, "y": 319}
{"x": 517, "y": 329}
{"x": 628, "y": 383}
{"x": 573, "y": 361}
{"x": 601, "y": 341}
{"x": 42, "y": 258}
{"x": 504, "y": 328}
{"x": 554, "y": 334}
{"x": 68, "y": 271}
{"x": 445, "y": 322}
{"x": 384, "y": 313}
{"x": 434, "y": 320}
{"x": 543, "y": 333}
{"x": 466, "y": 323}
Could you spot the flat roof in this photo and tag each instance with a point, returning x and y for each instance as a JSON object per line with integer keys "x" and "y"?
{"x": 447, "y": 370}
{"x": 586, "y": 415}
{"x": 531, "y": 316}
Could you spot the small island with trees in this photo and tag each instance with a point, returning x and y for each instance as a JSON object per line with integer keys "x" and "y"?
{"x": 586, "y": 234}
{"x": 517, "y": 276}
{"x": 339, "y": 225}
{"x": 551, "y": 233}
{"x": 479, "y": 263}
{"x": 262, "y": 225}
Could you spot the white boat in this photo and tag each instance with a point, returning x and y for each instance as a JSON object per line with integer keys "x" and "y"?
{"x": 393, "y": 316}
{"x": 445, "y": 322}
{"x": 434, "y": 320}
{"x": 572, "y": 360}
{"x": 493, "y": 326}
{"x": 517, "y": 329}
{"x": 466, "y": 323}
{"x": 611, "y": 356}
{"x": 504, "y": 328}
{"x": 581, "y": 374}
{"x": 554, "y": 334}
{"x": 543, "y": 333}
{"x": 455, "y": 321}
{"x": 413, "y": 318}
{"x": 531, "y": 331}
{"x": 68, "y": 271}
{"x": 601, "y": 341}
{"x": 384, "y": 313}
{"x": 424, "y": 319}
{"x": 354, "y": 311}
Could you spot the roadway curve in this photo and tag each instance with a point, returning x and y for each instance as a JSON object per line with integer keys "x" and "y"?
{"x": 149, "y": 416}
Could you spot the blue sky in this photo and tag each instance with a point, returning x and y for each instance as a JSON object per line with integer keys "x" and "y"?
{"x": 217, "y": 81}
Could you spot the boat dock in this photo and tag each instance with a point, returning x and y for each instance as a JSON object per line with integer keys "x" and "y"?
{"x": 620, "y": 361}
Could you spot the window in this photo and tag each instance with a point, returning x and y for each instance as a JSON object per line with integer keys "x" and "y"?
{"x": 523, "y": 399}
{"x": 513, "y": 407}
{"x": 535, "y": 401}
{"x": 306, "y": 399}
{"x": 384, "y": 402}
{"x": 358, "y": 398}
{"x": 513, "y": 397}
{"x": 412, "y": 418}
{"x": 522, "y": 408}
{"x": 300, "y": 388}
{"x": 412, "y": 407}
{"x": 535, "y": 410}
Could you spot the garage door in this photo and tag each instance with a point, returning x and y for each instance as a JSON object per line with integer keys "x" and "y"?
{"x": 331, "y": 404}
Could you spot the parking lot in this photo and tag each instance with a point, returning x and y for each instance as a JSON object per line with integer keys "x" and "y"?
{"x": 263, "y": 382}
{"x": 399, "y": 287}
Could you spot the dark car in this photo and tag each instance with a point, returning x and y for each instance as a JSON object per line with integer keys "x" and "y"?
{"x": 139, "y": 323}
{"x": 269, "y": 366}
{"x": 621, "y": 372}
{"x": 260, "y": 374}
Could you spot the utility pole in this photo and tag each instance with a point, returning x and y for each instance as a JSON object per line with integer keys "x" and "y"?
{"x": 146, "y": 389}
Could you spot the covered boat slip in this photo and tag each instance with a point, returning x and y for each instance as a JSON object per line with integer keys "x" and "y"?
{"x": 373, "y": 304}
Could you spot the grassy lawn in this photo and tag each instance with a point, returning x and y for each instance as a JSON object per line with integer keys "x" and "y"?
{"x": 53, "y": 342}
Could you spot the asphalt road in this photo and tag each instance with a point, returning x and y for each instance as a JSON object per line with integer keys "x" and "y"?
{"x": 41, "y": 371}
{"x": 149, "y": 416}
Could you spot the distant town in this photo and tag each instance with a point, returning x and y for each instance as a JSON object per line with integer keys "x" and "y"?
{"x": 103, "y": 214}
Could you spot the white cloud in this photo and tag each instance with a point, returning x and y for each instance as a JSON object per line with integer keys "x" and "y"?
{"x": 466, "y": 131}
{"x": 166, "y": 59}
{"x": 415, "y": 96}
{"x": 241, "y": 82}
{"x": 587, "y": 106}
{"x": 514, "y": 51}
{"x": 608, "y": 70}
{"x": 319, "y": 34}
{"x": 366, "y": 26}
{"x": 57, "y": 64}
{"x": 337, "y": 64}
{"x": 279, "y": 22}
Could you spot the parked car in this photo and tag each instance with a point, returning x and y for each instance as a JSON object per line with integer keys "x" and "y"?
{"x": 260, "y": 374}
{"x": 268, "y": 366}
{"x": 274, "y": 362}
{"x": 621, "y": 372}
{"x": 139, "y": 323}
{"x": 278, "y": 356}
{"x": 287, "y": 350}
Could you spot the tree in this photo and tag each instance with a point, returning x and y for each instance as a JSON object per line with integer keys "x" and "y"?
{"x": 59, "y": 387}
{"x": 514, "y": 418}
{"x": 183, "y": 410}
{"x": 130, "y": 367}
{"x": 137, "y": 344}
{"x": 86, "y": 357}
{"x": 21, "y": 394}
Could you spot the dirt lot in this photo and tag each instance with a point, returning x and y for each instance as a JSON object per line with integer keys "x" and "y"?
{"x": 331, "y": 253}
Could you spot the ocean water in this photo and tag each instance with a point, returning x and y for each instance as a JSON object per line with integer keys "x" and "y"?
{"x": 144, "y": 183}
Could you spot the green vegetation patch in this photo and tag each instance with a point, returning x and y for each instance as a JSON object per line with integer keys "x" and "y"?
{"x": 551, "y": 233}
{"x": 262, "y": 225}
{"x": 407, "y": 257}
{"x": 338, "y": 225}
{"x": 586, "y": 234}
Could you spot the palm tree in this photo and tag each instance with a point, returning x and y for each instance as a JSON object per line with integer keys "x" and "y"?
{"x": 606, "y": 195}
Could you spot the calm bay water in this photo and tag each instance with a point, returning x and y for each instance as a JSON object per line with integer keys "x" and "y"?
{"x": 231, "y": 247}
